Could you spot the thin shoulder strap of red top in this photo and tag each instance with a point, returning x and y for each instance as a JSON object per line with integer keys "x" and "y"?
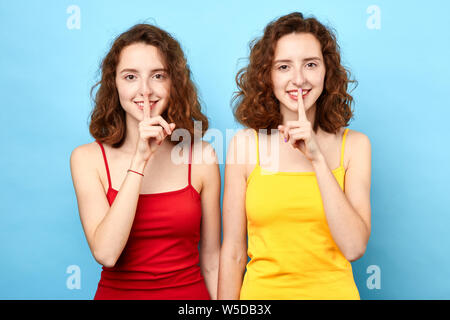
{"x": 189, "y": 164}
{"x": 106, "y": 163}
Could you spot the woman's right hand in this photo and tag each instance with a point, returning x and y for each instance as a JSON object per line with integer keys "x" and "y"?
{"x": 152, "y": 132}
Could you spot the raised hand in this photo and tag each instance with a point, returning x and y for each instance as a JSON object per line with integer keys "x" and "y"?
{"x": 152, "y": 132}
{"x": 300, "y": 133}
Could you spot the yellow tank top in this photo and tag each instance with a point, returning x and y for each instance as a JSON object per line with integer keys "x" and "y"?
{"x": 292, "y": 253}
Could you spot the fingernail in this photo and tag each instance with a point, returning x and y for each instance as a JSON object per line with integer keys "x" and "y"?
{"x": 285, "y": 140}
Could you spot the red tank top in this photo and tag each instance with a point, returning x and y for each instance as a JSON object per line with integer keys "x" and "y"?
{"x": 162, "y": 248}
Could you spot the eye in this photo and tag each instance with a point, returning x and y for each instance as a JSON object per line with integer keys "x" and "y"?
{"x": 130, "y": 77}
{"x": 283, "y": 67}
{"x": 159, "y": 76}
{"x": 311, "y": 65}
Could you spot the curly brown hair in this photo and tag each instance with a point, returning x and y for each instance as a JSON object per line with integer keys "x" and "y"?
{"x": 108, "y": 117}
{"x": 255, "y": 103}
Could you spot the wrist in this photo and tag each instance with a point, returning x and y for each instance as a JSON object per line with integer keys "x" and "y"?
{"x": 138, "y": 164}
{"x": 319, "y": 161}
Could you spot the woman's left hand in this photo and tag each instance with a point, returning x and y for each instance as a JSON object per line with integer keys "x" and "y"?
{"x": 300, "y": 133}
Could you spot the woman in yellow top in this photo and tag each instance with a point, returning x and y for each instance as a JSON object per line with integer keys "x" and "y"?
{"x": 302, "y": 201}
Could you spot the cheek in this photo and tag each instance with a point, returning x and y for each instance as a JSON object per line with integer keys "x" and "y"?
{"x": 278, "y": 83}
{"x": 167, "y": 89}
{"x": 164, "y": 89}
{"x": 124, "y": 90}
{"x": 318, "y": 79}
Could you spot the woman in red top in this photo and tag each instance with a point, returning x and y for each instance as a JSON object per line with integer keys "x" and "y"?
{"x": 151, "y": 219}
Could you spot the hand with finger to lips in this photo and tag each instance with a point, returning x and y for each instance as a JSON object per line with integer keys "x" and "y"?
{"x": 152, "y": 132}
{"x": 300, "y": 133}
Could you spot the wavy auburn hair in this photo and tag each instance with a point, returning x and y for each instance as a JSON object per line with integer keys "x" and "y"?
{"x": 108, "y": 117}
{"x": 255, "y": 105}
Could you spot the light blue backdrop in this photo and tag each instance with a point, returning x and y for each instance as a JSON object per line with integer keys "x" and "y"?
{"x": 398, "y": 51}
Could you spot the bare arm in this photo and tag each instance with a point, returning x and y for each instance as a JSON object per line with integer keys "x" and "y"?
{"x": 233, "y": 255}
{"x": 348, "y": 214}
{"x": 106, "y": 228}
{"x": 210, "y": 228}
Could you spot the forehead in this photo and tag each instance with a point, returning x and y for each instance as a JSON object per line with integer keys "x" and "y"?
{"x": 140, "y": 56}
{"x": 297, "y": 45}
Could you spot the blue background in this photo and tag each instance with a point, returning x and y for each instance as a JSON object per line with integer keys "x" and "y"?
{"x": 402, "y": 104}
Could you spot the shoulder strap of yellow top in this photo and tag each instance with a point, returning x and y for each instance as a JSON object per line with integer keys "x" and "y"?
{"x": 257, "y": 147}
{"x": 343, "y": 147}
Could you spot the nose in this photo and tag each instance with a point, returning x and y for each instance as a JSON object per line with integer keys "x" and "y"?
{"x": 298, "y": 78}
{"x": 145, "y": 90}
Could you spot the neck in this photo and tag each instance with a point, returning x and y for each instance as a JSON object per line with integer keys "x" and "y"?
{"x": 132, "y": 135}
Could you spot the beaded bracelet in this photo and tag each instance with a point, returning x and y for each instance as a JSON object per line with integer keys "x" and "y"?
{"x": 129, "y": 170}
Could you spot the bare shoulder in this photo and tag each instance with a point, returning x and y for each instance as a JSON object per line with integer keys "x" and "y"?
{"x": 357, "y": 140}
{"x": 203, "y": 153}
{"x": 242, "y": 144}
{"x": 357, "y": 146}
{"x": 242, "y": 153}
{"x": 243, "y": 135}
{"x": 209, "y": 153}
{"x": 85, "y": 155}
{"x": 205, "y": 166}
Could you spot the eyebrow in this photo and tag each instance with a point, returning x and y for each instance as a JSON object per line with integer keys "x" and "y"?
{"x": 136, "y": 71}
{"x": 306, "y": 59}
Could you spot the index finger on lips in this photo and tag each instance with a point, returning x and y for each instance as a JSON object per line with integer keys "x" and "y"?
{"x": 300, "y": 106}
{"x": 146, "y": 108}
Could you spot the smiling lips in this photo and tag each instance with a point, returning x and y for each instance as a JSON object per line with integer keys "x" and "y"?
{"x": 140, "y": 104}
{"x": 293, "y": 94}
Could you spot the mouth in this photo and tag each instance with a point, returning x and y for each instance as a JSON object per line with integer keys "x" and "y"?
{"x": 140, "y": 104}
{"x": 293, "y": 94}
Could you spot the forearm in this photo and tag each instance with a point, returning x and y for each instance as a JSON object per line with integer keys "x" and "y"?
{"x": 112, "y": 233}
{"x": 346, "y": 226}
{"x": 210, "y": 271}
{"x": 231, "y": 273}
